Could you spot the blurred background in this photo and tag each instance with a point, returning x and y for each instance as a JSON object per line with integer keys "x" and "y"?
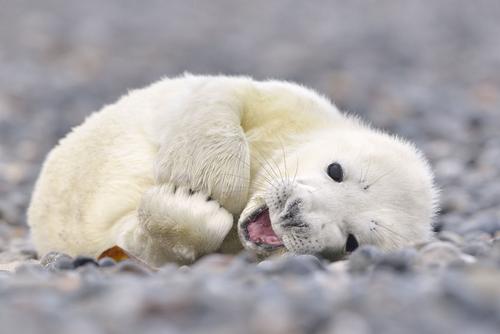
{"x": 427, "y": 70}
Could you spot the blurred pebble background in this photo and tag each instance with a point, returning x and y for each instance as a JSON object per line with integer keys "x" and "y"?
{"x": 426, "y": 70}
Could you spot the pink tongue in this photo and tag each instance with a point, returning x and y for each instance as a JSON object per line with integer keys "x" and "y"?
{"x": 260, "y": 231}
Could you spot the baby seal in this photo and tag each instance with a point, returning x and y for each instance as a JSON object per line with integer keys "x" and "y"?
{"x": 198, "y": 164}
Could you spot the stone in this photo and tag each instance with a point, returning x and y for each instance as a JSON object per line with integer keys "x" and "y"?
{"x": 400, "y": 261}
{"x": 438, "y": 255}
{"x": 57, "y": 261}
{"x": 291, "y": 265}
{"x": 450, "y": 236}
{"x": 477, "y": 248}
{"x": 364, "y": 258}
{"x": 80, "y": 261}
{"x": 213, "y": 263}
{"x": 131, "y": 267}
{"x": 106, "y": 262}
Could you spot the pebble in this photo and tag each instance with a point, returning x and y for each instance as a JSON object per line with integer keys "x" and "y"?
{"x": 399, "y": 261}
{"x": 106, "y": 262}
{"x": 438, "y": 255}
{"x": 450, "y": 236}
{"x": 80, "y": 261}
{"x": 364, "y": 258}
{"x": 495, "y": 250}
{"x": 477, "y": 248}
{"x": 297, "y": 265}
{"x": 213, "y": 262}
{"x": 30, "y": 269}
{"x": 476, "y": 290}
{"x": 131, "y": 267}
{"x": 57, "y": 261}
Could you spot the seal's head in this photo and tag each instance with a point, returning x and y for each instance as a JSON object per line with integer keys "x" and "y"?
{"x": 338, "y": 189}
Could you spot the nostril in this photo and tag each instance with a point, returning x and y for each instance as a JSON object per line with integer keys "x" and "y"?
{"x": 351, "y": 243}
{"x": 292, "y": 210}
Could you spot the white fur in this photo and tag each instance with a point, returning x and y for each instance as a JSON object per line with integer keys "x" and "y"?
{"x": 112, "y": 179}
{"x": 386, "y": 197}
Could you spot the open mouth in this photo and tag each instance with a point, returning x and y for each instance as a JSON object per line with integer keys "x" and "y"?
{"x": 258, "y": 230}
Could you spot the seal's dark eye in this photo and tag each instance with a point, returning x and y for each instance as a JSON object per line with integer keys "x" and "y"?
{"x": 335, "y": 172}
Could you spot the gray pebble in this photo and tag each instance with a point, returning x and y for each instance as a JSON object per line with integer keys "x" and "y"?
{"x": 438, "y": 255}
{"x": 106, "y": 262}
{"x": 167, "y": 270}
{"x": 4, "y": 274}
{"x": 184, "y": 269}
{"x": 364, "y": 258}
{"x": 477, "y": 235}
{"x": 11, "y": 208}
{"x": 20, "y": 248}
{"x": 213, "y": 263}
{"x": 80, "y": 261}
{"x": 129, "y": 266}
{"x": 399, "y": 261}
{"x": 57, "y": 261}
{"x": 292, "y": 265}
{"x": 477, "y": 248}
{"x": 450, "y": 236}
{"x": 51, "y": 257}
{"x": 64, "y": 264}
{"x": 30, "y": 269}
{"x": 487, "y": 222}
{"x": 495, "y": 250}
{"x": 476, "y": 290}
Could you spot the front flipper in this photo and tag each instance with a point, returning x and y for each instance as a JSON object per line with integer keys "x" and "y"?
{"x": 174, "y": 224}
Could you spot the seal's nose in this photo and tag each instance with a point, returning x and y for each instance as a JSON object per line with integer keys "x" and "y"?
{"x": 291, "y": 214}
{"x": 292, "y": 209}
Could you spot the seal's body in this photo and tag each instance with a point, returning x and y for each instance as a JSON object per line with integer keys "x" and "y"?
{"x": 178, "y": 169}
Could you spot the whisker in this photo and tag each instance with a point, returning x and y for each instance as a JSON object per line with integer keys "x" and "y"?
{"x": 380, "y": 177}
{"x": 254, "y": 182}
{"x": 367, "y": 170}
{"x": 272, "y": 175}
{"x": 260, "y": 163}
{"x": 296, "y": 170}
{"x": 390, "y": 230}
{"x": 379, "y": 239}
{"x": 277, "y": 174}
{"x": 284, "y": 162}
{"x": 361, "y": 170}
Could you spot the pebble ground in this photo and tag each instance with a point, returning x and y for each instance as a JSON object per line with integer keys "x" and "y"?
{"x": 426, "y": 70}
